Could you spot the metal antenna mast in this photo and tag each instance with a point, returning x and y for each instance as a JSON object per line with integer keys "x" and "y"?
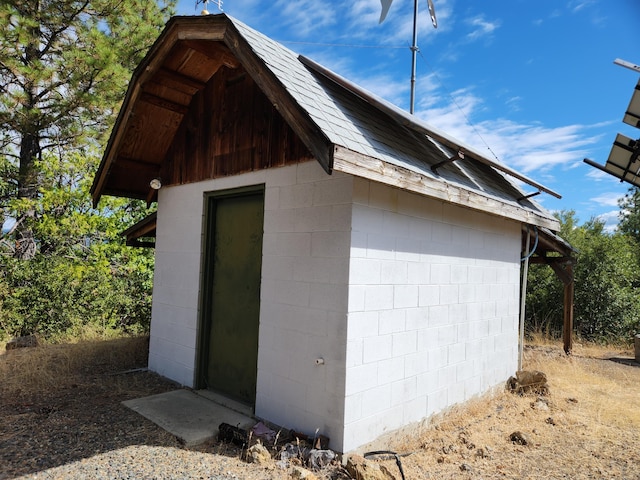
{"x": 386, "y": 4}
{"x": 414, "y": 54}
{"x": 414, "y": 48}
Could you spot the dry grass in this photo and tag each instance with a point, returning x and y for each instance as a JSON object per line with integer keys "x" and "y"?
{"x": 31, "y": 370}
{"x": 587, "y": 428}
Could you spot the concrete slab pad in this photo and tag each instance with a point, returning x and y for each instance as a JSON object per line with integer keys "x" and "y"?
{"x": 189, "y": 416}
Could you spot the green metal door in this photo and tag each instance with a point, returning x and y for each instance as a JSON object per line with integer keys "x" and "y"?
{"x": 232, "y": 302}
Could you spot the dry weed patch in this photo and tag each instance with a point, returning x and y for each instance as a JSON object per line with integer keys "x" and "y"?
{"x": 32, "y": 370}
{"x": 586, "y": 428}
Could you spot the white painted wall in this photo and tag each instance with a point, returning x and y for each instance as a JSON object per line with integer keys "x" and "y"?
{"x": 412, "y": 303}
{"x": 433, "y": 308}
{"x": 304, "y": 300}
{"x": 303, "y": 296}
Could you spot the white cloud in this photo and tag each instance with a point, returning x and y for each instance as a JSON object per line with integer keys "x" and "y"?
{"x": 513, "y": 103}
{"x": 555, "y": 13}
{"x": 525, "y": 146}
{"x": 608, "y": 199}
{"x": 481, "y": 28}
{"x": 597, "y": 175}
{"x": 610, "y": 220}
{"x": 306, "y": 17}
{"x": 577, "y": 5}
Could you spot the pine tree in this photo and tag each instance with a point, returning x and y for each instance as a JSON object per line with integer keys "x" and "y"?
{"x": 64, "y": 67}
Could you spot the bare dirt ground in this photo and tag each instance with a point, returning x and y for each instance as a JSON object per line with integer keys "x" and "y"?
{"x": 61, "y": 417}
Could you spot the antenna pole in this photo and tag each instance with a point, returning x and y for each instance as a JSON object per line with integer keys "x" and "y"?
{"x": 414, "y": 53}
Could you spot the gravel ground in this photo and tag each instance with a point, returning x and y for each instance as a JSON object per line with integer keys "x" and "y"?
{"x": 61, "y": 417}
{"x": 141, "y": 462}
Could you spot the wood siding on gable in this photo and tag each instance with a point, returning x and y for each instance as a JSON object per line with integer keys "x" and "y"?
{"x": 230, "y": 128}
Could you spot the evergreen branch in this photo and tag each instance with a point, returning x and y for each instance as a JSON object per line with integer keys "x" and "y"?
{"x": 68, "y": 22}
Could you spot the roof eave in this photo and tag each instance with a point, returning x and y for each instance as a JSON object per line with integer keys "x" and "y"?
{"x": 353, "y": 163}
{"x": 293, "y": 113}
{"x": 158, "y": 50}
{"x": 214, "y": 28}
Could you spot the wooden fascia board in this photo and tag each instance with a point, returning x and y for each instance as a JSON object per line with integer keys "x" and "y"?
{"x": 218, "y": 28}
{"x": 142, "y": 232}
{"x": 143, "y": 227}
{"x": 299, "y": 121}
{"x": 125, "y": 194}
{"x": 547, "y": 242}
{"x": 353, "y": 163}
{"x": 176, "y": 29}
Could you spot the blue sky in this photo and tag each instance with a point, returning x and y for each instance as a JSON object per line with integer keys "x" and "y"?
{"x": 532, "y": 83}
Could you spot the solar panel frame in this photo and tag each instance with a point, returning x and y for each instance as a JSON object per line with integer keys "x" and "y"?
{"x": 632, "y": 114}
{"x": 623, "y": 161}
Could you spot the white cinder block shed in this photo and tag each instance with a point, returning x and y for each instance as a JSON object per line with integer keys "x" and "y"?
{"x": 320, "y": 255}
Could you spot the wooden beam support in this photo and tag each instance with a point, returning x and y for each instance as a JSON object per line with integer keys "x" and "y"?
{"x": 564, "y": 273}
{"x": 143, "y": 232}
{"x": 541, "y": 259}
{"x": 151, "y": 196}
{"x": 163, "y": 103}
{"x": 215, "y": 51}
{"x": 178, "y": 81}
{"x": 567, "y": 326}
{"x": 563, "y": 268}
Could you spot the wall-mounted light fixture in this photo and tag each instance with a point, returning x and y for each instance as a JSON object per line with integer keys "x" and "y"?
{"x": 156, "y": 183}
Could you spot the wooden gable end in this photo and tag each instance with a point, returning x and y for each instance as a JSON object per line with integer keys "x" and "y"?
{"x": 202, "y": 105}
{"x": 231, "y": 127}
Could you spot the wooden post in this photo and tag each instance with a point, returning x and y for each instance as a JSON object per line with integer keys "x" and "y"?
{"x": 567, "y": 327}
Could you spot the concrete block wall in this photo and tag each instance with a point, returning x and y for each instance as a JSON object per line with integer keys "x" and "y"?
{"x": 304, "y": 300}
{"x": 176, "y": 283}
{"x": 433, "y": 308}
{"x": 411, "y": 303}
{"x": 304, "y": 291}
{"x": 174, "y": 324}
